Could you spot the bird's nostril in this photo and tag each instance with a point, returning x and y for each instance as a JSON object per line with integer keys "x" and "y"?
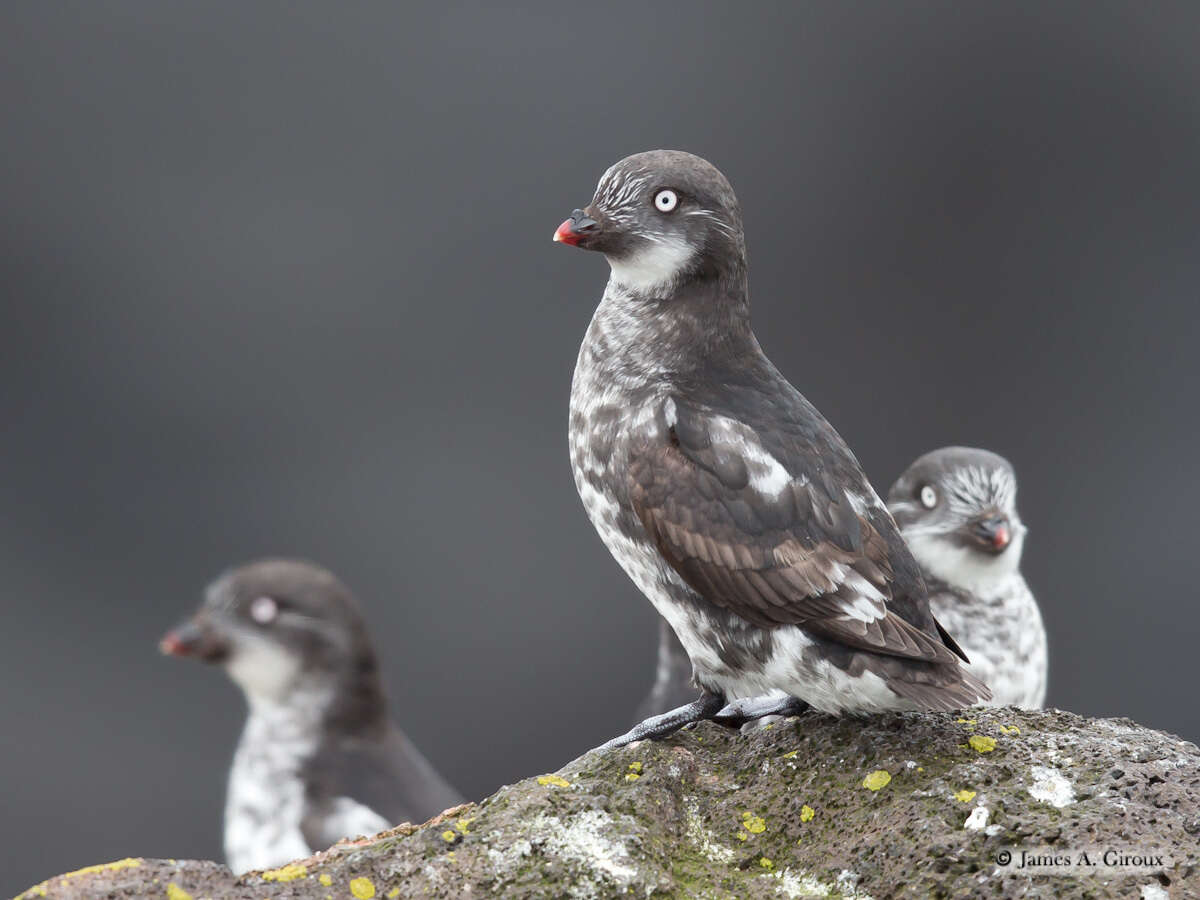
{"x": 581, "y": 221}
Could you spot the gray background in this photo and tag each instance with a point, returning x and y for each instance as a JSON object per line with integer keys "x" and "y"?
{"x": 278, "y": 278}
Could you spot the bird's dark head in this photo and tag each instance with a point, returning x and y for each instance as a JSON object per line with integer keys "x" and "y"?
{"x": 277, "y": 625}
{"x": 957, "y": 509}
{"x": 661, "y": 217}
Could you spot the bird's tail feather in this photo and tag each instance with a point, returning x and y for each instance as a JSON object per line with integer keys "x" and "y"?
{"x": 943, "y": 694}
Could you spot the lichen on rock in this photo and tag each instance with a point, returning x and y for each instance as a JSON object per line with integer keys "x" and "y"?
{"x": 778, "y": 812}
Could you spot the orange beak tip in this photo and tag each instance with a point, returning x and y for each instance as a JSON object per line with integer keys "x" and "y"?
{"x": 170, "y": 645}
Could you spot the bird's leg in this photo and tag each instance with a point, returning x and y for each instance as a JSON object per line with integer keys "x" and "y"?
{"x": 739, "y": 712}
{"x": 705, "y": 707}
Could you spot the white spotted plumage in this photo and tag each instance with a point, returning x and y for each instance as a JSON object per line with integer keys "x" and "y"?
{"x": 1001, "y": 631}
{"x": 267, "y": 801}
{"x": 728, "y": 500}
{"x": 599, "y": 387}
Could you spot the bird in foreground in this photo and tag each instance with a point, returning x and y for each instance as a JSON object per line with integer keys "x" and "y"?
{"x": 727, "y": 498}
{"x": 957, "y": 510}
{"x": 319, "y": 758}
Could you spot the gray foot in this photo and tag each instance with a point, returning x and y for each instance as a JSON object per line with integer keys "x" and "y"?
{"x": 655, "y": 727}
{"x": 739, "y": 712}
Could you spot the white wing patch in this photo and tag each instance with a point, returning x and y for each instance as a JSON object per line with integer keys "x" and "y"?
{"x": 861, "y": 504}
{"x": 868, "y": 604}
{"x": 767, "y": 475}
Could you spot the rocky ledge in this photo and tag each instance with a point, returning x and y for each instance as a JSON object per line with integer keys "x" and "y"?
{"x": 920, "y": 805}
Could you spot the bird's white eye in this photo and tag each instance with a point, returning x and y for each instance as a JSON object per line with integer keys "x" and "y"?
{"x": 665, "y": 201}
{"x": 928, "y": 497}
{"x": 264, "y": 610}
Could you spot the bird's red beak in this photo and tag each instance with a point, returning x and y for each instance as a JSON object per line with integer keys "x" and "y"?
{"x": 1001, "y": 538}
{"x": 173, "y": 645}
{"x": 566, "y": 234}
{"x": 195, "y": 640}
{"x": 994, "y": 532}
{"x": 576, "y": 228}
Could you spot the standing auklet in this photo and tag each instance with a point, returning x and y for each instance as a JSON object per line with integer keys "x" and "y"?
{"x": 319, "y": 758}
{"x": 727, "y": 498}
{"x": 957, "y": 510}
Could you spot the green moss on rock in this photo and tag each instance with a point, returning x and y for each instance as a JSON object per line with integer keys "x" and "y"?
{"x": 795, "y": 793}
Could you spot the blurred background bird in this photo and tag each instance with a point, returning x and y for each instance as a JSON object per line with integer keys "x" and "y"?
{"x": 319, "y": 759}
{"x": 957, "y": 510}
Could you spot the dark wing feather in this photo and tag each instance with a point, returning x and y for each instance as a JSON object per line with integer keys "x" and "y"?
{"x": 774, "y": 550}
{"x": 951, "y": 642}
{"x": 385, "y": 773}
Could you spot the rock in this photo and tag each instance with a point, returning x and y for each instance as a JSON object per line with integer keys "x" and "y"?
{"x": 922, "y": 805}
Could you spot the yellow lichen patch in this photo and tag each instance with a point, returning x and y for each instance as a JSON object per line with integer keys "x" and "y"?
{"x": 791, "y": 754}
{"x": 556, "y": 780}
{"x": 449, "y": 836}
{"x": 1010, "y": 729}
{"x": 362, "y": 888}
{"x": 462, "y": 824}
{"x": 741, "y": 836}
{"x": 766, "y": 863}
{"x": 807, "y": 813}
{"x": 920, "y": 768}
{"x": 877, "y": 780}
{"x": 982, "y": 743}
{"x": 290, "y": 872}
{"x": 965, "y": 721}
{"x": 754, "y": 824}
{"x": 325, "y": 879}
{"x": 393, "y": 893}
{"x": 175, "y": 892}
{"x": 635, "y": 767}
{"x": 127, "y": 863}
{"x": 964, "y": 796}
{"x": 632, "y": 776}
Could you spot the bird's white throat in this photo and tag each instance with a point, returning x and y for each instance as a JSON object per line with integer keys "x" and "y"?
{"x": 653, "y": 266}
{"x": 264, "y": 671}
{"x": 965, "y": 567}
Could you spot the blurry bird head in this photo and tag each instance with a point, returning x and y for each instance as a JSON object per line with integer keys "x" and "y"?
{"x": 957, "y": 509}
{"x": 274, "y": 625}
{"x": 661, "y": 217}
